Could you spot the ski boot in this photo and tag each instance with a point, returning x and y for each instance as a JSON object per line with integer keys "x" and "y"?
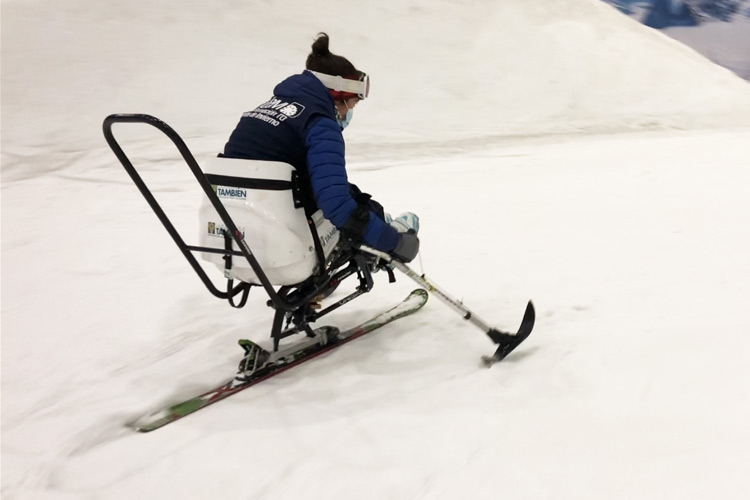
{"x": 403, "y": 222}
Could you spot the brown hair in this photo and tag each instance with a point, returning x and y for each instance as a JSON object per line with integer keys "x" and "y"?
{"x": 323, "y": 61}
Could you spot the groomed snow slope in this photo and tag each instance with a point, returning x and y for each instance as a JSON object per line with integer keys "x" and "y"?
{"x": 440, "y": 69}
{"x": 633, "y": 246}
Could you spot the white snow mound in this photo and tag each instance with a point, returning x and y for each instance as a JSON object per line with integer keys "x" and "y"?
{"x": 440, "y": 69}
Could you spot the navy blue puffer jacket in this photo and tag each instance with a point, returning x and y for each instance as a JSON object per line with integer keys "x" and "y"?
{"x": 298, "y": 126}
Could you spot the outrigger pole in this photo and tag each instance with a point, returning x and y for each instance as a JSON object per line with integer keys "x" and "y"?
{"x": 506, "y": 341}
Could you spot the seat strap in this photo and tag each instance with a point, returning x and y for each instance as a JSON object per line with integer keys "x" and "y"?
{"x": 249, "y": 183}
{"x": 231, "y": 291}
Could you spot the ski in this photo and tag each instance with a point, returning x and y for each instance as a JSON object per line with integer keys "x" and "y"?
{"x": 326, "y": 339}
{"x": 508, "y": 342}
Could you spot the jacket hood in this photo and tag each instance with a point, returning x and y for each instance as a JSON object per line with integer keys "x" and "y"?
{"x": 308, "y": 87}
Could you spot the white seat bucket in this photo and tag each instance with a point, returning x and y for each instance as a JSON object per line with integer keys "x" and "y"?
{"x": 276, "y": 232}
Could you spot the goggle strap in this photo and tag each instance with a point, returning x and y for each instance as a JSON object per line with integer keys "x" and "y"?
{"x": 342, "y": 84}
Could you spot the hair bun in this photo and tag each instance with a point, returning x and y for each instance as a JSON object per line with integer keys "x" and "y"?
{"x": 320, "y": 45}
{"x": 323, "y": 61}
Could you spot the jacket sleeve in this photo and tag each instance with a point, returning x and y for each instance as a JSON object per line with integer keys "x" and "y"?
{"x": 326, "y": 168}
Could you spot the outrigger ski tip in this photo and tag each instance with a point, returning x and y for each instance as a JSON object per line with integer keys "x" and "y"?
{"x": 507, "y": 342}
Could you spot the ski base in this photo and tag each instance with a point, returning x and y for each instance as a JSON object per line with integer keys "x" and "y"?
{"x": 265, "y": 365}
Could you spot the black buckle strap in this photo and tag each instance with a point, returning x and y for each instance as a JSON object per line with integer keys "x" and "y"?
{"x": 249, "y": 183}
{"x": 231, "y": 291}
{"x": 298, "y": 195}
{"x": 318, "y": 247}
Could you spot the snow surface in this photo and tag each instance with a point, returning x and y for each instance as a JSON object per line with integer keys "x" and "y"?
{"x": 554, "y": 150}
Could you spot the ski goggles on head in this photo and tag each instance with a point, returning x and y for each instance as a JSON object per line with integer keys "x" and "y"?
{"x": 359, "y": 85}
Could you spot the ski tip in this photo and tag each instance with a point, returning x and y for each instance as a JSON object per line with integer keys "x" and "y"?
{"x": 507, "y": 342}
{"x": 529, "y": 317}
{"x": 527, "y": 324}
{"x": 148, "y": 423}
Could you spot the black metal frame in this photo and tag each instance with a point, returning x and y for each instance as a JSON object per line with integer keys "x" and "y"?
{"x": 292, "y": 303}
